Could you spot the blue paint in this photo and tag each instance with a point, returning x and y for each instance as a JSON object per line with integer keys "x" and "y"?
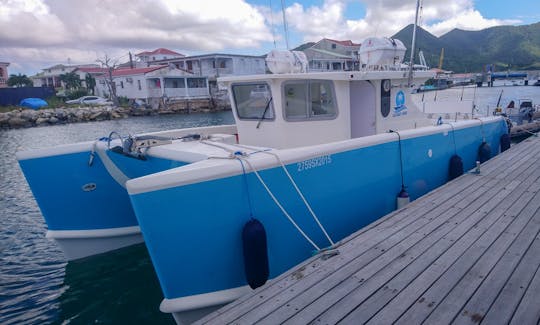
{"x": 57, "y": 184}
{"x": 193, "y": 232}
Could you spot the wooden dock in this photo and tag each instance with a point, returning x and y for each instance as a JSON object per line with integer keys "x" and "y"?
{"x": 467, "y": 252}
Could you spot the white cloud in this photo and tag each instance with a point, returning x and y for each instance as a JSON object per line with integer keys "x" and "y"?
{"x": 46, "y": 31}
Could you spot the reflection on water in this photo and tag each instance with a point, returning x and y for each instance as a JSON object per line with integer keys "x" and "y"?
{"x": 120, "y": 287}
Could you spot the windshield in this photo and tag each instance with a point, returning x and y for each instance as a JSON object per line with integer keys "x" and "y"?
{"x": 253, "y": 101}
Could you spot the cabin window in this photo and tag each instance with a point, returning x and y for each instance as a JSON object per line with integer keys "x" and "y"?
{"x": 253, "y": 101}
{"x": 309, "y": 100}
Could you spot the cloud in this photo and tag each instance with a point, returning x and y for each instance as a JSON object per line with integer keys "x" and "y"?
{"x": 80, "y": 29}
{"x": 385, "y": 18}
{"x": 50, "y": 31}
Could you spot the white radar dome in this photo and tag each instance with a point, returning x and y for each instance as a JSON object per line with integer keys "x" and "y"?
{"x": 382, "y": 51}
{"x": 280, "y": 61}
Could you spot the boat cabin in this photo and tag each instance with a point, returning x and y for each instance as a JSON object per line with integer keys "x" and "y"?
{"x": 299, "y": 109}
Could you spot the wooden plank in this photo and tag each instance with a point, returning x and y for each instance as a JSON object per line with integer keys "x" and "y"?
{"x": 491, "y": 277}
{"x": 500, "y": 236}
{"x": 509, "y": 298}
{"x": 528, "y": 311}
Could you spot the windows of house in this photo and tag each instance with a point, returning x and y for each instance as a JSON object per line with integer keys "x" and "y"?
{"x": 139, "y": 84}
{"x": 309, "y": 100}
{"x": 253, "y": 101}
{"x": 196, "y": 82}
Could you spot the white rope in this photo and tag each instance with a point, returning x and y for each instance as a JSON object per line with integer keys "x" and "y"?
{"x": 234, "y": 154}
{"x": 302, "y": 196}
{"x": 278, "y": 204}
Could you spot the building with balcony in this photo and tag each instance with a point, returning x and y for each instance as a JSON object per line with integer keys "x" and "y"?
{"x": 332, "y": 55}
{"x": 50, "y": 77}
{"x": 157, "y": 55}
{"x": 163, "y": 81}
{"x": 4, "y": 75}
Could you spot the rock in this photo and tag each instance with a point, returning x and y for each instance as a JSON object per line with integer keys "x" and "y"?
{"x": 53, "y": 120}
{"x": 17, "y": 122}
{"x": 41, "y": 121}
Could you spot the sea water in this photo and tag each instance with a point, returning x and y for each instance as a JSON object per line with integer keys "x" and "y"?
{"x": 37, "y": 285}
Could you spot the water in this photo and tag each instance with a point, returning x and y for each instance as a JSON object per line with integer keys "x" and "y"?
{"x": 37, "y": 285}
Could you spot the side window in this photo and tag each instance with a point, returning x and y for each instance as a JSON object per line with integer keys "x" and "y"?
{"x": 253, "y": 101}
{"x": 309, "y": 100}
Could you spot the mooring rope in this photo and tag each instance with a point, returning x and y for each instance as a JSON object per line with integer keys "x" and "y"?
{"x": 241, "y": 156}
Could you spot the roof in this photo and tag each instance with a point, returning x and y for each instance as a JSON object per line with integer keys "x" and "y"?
{"x": 160, "y": 51}
{"x": 92, "y": 70}
{"x": 330, "y": 53}
{"x": 129, "y": 72}
{"x": 344, "y": 43}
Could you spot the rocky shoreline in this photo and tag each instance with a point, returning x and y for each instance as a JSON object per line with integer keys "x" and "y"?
{"x": 25, "y": 118}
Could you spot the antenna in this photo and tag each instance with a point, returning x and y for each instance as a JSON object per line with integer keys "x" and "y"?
{"x": 272, "y": 23}
{"x": 413, "y": 44}
{"x": 285, "y": 23}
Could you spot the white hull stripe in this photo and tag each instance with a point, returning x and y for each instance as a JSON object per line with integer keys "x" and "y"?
{"x": 94, "y": 233}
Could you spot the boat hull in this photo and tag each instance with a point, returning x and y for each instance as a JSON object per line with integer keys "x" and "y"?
{"x": 85, "y": 205}
{"x": 196, "y": 247}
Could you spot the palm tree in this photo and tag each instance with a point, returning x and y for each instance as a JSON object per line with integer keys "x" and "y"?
{"x": 90, "y": 83}
{"x": 20, "y": 80}
{"x": 71, "y": 80}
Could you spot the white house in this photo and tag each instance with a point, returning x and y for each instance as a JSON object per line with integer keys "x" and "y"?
{"x": 163, "y": 81}
{"x": 3, "y": 74}
{"x": 331, "y": 55}
{"x": 158, "y": 55}
{"x": 51, "y": 76}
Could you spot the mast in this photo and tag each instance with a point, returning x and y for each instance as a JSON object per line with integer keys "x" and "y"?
{"x": 413, "y": 44}
{"x": 285, "y": 24}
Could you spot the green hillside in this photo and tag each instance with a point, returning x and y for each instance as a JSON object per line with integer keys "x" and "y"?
{"x": 506, "y": 47}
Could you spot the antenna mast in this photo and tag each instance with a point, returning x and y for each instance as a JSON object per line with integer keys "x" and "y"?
{"x": 413, "y": 44}
{"x": 285, "y": 24}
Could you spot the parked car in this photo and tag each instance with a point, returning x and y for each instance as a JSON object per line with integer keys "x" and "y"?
{"x": 90, "y": 100}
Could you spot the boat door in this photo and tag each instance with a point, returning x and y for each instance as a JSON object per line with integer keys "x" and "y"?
{"x": 363, "y": 108}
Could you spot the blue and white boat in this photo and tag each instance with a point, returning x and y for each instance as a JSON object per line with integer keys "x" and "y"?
{"x": 318, "y": 156}
{"x": 80, "y": 188}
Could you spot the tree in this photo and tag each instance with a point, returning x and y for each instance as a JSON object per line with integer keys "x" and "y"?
{"x": 108, "y": 63}
{"x": 90, "y": 83}
{"x": 71, "y": 80}
{"x": 20, "y": 80}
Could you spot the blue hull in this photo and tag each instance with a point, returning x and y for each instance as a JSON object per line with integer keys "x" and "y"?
{"x": 193, "y": 231}
{"x": 75, "y": 196}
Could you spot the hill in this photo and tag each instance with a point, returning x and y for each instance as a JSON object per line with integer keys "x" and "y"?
{"x": 506, "y": 47}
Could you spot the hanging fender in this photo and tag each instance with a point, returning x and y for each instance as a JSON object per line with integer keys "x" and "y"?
{"x": 255, "y": 253}
{"x": 505, "y": 142}
{"x": 484, "y": 152}
{"x": 456, "y": 167}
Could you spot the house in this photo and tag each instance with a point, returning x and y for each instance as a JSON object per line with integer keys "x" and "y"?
{"x": 331, "y": 55}
{"x": 158, "y": 55}
{"x": 215, "y": 65}
{"x": 3, "y": 74}
{"x": 51, "y": 76}
{"x": 160, "y": 81}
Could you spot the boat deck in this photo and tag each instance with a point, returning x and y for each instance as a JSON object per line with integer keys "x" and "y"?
{"x": 467, "y": 252}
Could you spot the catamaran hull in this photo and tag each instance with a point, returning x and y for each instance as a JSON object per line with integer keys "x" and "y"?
{"x": 85, "y": 205}
{"x": 192, "y": 219}
{"x": 77, "y": 244}
{"x": 80, "y": 189}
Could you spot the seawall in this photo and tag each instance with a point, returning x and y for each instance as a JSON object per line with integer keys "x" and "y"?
{"x": 24, "y": 118}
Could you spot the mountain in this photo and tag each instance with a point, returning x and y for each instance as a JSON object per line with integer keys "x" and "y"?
{"x": 505, "y": 47}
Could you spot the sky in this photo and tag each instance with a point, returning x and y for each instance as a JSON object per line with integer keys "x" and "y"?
{"x": 36, "y": 34}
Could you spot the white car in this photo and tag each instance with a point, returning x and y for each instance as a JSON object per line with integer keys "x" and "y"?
{"x": 90, "y": 100}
